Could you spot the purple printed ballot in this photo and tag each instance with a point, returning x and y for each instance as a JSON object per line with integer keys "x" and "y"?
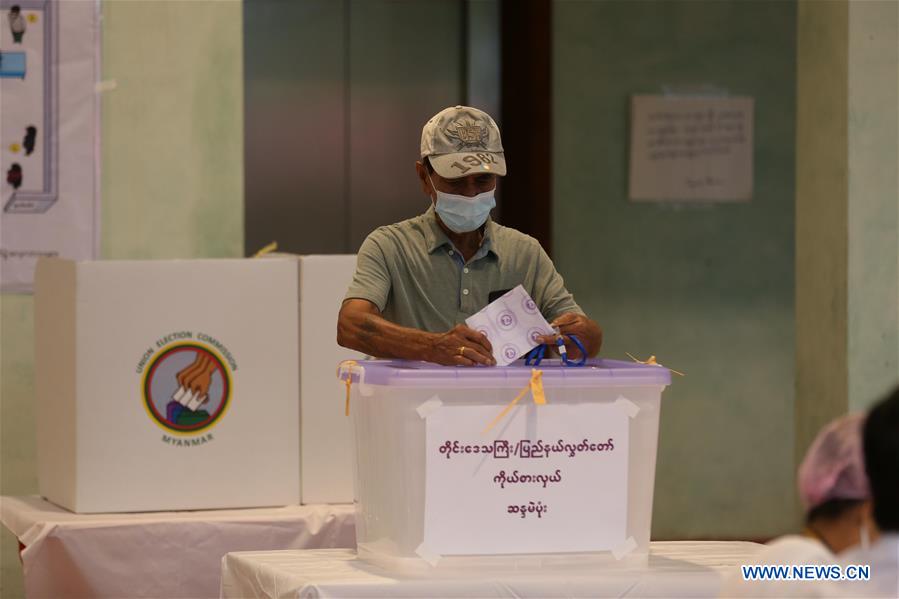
{"x": 512, "y": 324}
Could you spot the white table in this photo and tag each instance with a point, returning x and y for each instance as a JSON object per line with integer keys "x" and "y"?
{"x": 675, "y": 569}
{"x": 159, "y": 554}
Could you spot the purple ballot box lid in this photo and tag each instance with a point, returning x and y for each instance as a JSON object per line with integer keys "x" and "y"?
{"x": 595, "y": 373}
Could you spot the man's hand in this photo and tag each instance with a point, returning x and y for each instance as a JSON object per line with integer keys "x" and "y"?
{"x": 187, "y": 374}
{"x": 194, "y": 382}
{"x": 360, "y": 326}
{"x": 587, "y": 332}
{"x": 461, "y": 346}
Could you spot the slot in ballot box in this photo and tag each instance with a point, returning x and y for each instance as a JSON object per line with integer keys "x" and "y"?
{"x": 460, "y": 469}
{"x": 175, "y": 384}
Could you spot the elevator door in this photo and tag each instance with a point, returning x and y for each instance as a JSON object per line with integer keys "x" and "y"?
{"x": 336, "y": 94}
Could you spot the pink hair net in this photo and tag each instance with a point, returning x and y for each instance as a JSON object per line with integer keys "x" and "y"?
{"x": 834, "y": 467}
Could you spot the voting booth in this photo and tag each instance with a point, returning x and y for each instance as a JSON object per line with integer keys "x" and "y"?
{"x": 326, "y": 435}
{"x": 175, "y": 385}
{"x": 460, "y": 469}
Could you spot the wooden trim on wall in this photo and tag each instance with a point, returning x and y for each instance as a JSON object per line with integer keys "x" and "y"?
{"x": 526, "y": 31}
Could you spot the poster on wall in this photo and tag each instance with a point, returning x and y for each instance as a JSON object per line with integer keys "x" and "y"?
{"x": 691, "y": 148}
{"x": 49, "y": 135}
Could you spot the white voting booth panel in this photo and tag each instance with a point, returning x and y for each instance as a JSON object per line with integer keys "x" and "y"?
{"x": 327, "y": 435}
{"x": 166, "y": 385}
{"x": 447, "y": 480}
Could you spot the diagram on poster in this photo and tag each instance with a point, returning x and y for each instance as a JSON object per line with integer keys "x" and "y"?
{"x": 28, "y": 88}
{"x": 48, "y": 134}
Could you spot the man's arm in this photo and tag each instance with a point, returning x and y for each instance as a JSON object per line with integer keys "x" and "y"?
{"x": 557, "y": 303}
{"x": 360, "y": 326}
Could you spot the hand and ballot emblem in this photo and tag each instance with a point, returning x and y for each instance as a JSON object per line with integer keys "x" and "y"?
{"x": 187, "y": 387}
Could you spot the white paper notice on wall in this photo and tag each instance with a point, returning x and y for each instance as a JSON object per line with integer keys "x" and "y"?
{"x": 554, "y": 479}
{"x": 691, "y": 148}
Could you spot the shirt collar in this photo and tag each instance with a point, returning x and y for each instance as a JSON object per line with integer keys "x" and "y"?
{"x": 436, "y": 238}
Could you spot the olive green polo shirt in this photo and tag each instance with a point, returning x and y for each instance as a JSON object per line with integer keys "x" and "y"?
{"x": 416, "y": 277}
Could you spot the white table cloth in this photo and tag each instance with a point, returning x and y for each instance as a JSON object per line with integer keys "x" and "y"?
{"x": 674, "y": 569}
{"x": 158, "y": 554}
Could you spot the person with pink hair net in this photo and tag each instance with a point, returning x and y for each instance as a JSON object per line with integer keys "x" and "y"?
{"x": 834, "y": 491}
{"x": 833, "y": 487}
{"x": 881, "y": 448}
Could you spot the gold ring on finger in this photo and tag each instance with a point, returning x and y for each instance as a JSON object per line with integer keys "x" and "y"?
{"x": 462, "y": 350}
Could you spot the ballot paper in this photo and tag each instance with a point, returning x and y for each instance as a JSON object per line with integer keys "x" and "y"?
{"x": 512, "y": 324}
{"x": 189, "y": 399}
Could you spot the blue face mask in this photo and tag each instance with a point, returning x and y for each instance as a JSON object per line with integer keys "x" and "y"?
{"x": 463, "y": 214}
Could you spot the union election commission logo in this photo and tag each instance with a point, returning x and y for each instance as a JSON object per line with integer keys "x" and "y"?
{"x": 186, "y": 385}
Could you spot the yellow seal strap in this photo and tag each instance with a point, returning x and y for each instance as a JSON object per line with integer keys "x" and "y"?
{"x": 651, "y": 361}
{"x": 346, "y": 404}
{"x": 273, "y": 246}
{"x": 535, "y": 386}
{"x": 347, "y": 366}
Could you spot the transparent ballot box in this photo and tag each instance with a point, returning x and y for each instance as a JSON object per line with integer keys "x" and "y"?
{"x": 505, "y": 468}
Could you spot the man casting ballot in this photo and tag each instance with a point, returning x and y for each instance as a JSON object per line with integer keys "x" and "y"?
{"x": 418, "y": 280}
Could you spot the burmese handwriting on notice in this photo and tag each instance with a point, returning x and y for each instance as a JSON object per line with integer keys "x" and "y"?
{"x": 529, "y": 508}
{"x": 708, "y": 132}
{"x": 503, "y": 448}
{"x": 503, "y": 479}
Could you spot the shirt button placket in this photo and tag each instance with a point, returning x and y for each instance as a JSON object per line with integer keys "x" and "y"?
{"x": 467, "y": 291}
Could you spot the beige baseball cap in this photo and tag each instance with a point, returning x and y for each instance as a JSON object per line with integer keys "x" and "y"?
{"x": 460, "y": 141}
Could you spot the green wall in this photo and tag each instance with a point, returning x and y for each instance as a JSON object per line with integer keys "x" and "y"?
{"x": 173, "y": 130}
{"x": 18, "y": 466}
{"x": 708, "y": 289}
{"x": 873, "y": 200}
{"x": 172, "y": 182}
{"x": 847, "y": 239}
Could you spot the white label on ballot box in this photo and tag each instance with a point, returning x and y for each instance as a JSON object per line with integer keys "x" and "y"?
{"x": 546, "y": 479}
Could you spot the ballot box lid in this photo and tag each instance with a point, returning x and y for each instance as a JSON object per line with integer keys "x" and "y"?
{"x": 596, "y": 372}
